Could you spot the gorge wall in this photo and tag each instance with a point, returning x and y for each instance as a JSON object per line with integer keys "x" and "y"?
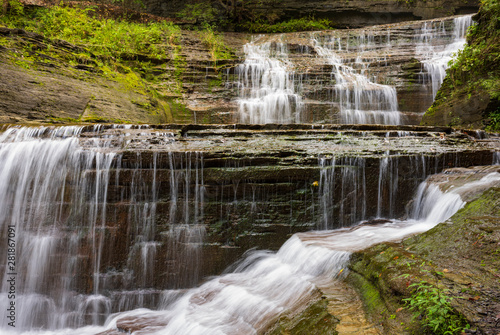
{"x": 343, "y": 14}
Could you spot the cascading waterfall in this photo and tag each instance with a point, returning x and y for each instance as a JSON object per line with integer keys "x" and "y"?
{"x": 367, "y": 73}
{"x": 360, "y": 99}
{"x": 249, "y": 298}
{"x": 436, "y": 58}
{"x": 54, "y": 189}
{"x": 345, "y": 188}
{"x": 344, "y": 197}
{"x": 267, "y": 86}
{"x": 77, "y": 199}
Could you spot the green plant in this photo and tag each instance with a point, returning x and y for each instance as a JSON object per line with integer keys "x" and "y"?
{"x": 201, "y": 13}
{"x": 494, "y": 121}
{"x": 215, "y": 43}
{"x": 302, "y": 24}
{"x": 433, "y": 306}
{"x": 16, "y": 7}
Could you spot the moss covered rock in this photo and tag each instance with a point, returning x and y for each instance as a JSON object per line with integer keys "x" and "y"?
{"x": 458, "y": 258}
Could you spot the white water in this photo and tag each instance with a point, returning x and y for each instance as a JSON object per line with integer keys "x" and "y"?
{"x": 270, "y": 91}
{"x": 361, "y": 99}
{"x": 55, "y": 193}
{"x": 263, "y": 285}
{"x": 436, "y": 58}
{"x": 267, "y": 86}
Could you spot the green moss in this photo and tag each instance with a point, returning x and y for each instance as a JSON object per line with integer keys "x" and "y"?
{"x": 302, "y": 24}
{"x": 314, "y": 320}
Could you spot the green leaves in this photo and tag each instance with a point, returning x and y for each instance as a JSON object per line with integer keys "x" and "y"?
{"x": 434, "y": 308}
{"x": 302, "y": 24}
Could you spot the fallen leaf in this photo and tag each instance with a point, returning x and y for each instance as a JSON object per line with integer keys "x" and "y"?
{"x": 446, "y": 270}
{"x": 399, "y": 309}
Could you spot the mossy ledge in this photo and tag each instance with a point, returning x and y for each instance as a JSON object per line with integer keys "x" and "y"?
{"x": 458, "y": 257}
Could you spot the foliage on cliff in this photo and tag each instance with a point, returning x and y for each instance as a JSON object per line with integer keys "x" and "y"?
{"x": 146, "y": 56}
{"x": 228, "y": 15}
{"x": 470, "y": 94}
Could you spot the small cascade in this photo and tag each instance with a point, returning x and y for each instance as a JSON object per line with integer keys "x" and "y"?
{"x": 349, "y": 194}
{"x": 387, "y": 187}
{"x": 496, "y": 158}
{"x": 249, "y": 298}
{"x": 436, "y": 56}
{"x": 268, "y": 89}
{"x": 361, "y": 99}
{"x": 342, "y": 191}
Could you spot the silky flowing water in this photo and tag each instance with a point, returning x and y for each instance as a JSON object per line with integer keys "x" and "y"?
{"x": 77, "y": 198}
{"x": 271, "y": 81}
{"x": 57, "y": 185}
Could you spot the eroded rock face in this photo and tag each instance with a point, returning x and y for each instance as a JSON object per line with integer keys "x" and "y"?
{"x": 343, "y": 14}
{"x": 45, "y": 85}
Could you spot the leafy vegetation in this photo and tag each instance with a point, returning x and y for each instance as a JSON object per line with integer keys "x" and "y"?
{"x": 303, "y": 24}
{"x": 215, "y": 43}
{"x": 107, "y": 37}
{"x": 433, "y": 306}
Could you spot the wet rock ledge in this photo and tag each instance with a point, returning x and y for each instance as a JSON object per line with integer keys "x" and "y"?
{"x": 459, "y": 256}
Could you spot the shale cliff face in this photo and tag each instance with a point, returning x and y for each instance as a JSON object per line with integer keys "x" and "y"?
{"x": 343, "y": 14}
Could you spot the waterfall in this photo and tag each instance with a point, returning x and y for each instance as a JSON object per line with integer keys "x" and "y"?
{"x": 345, "y": 198}
{"x": 267, "y": 86}
{"x": 354, "y": 76}
{"x": 436, "y": 57}
{"x": 62, "y": 195}
{"x": 250, "y": 296}
{"x": 360, "y": 99}
{"x": 342, "y": 191}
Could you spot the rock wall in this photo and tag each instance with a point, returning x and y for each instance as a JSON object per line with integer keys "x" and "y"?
{"x": 55, "y": 82}
{"x": 343, "y": 14}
